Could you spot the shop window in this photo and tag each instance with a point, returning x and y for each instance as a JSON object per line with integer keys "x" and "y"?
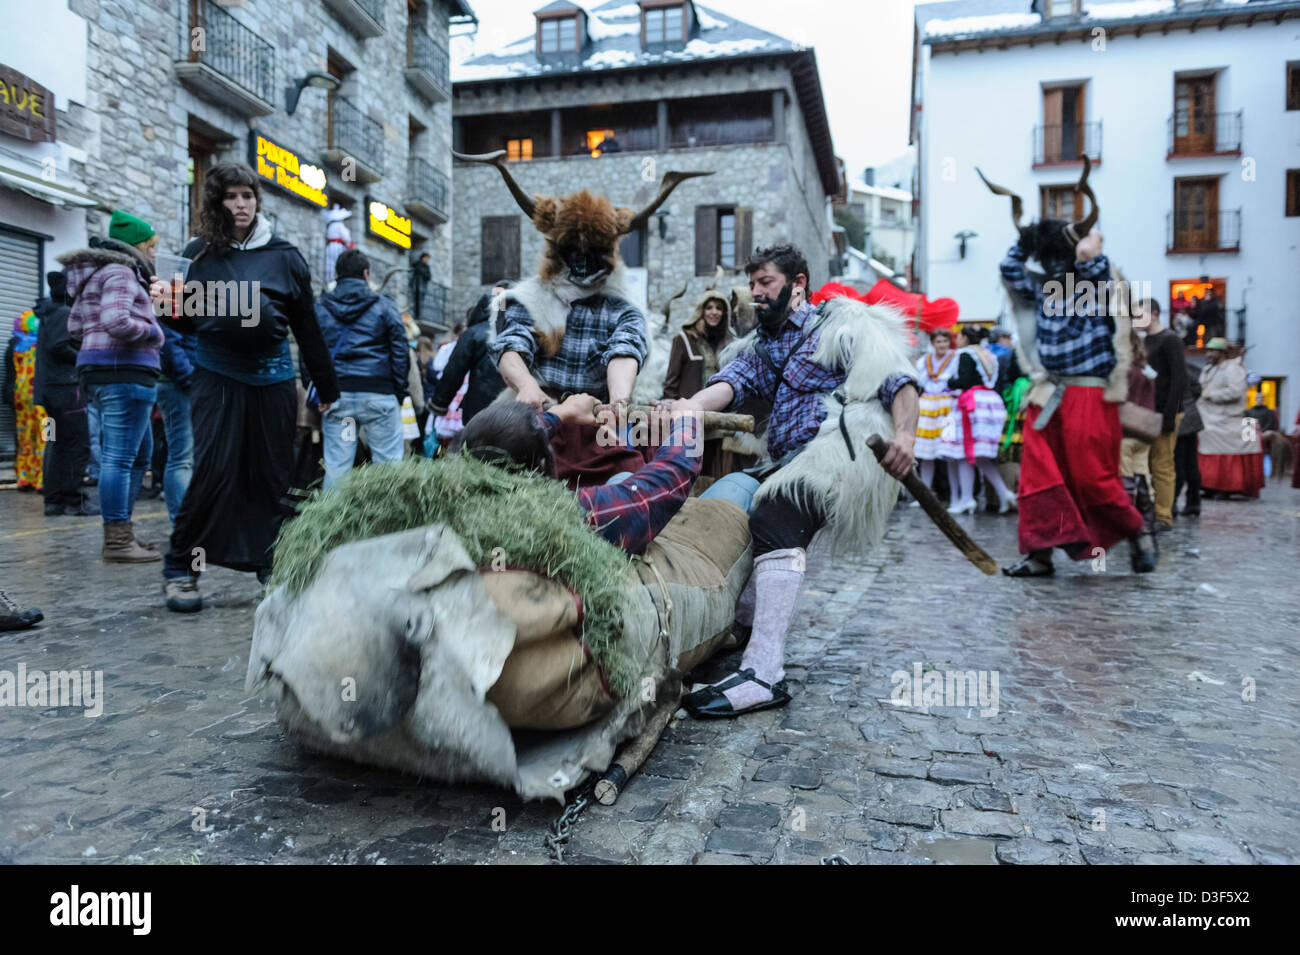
{"x": 518, "y": 150}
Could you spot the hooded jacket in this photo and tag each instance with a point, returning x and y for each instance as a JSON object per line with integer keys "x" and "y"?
{"x": 694, "y": 360}
{"x": 472, "y": 356}
{"x": 112, "y": 314}
{"x": 56, "y": 350}
{"x": 374, "y": 356}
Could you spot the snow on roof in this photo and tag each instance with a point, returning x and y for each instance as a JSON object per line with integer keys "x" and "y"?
{"x": 964, "y": 17}
{"x": 885, "y": 192}
{"x": 981, "y": 24}
{"x": 1126, "y": 8}
{"x": 614, "y": 41}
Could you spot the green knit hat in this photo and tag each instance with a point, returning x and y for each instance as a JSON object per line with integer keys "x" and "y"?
{"x": 127, "y": 228}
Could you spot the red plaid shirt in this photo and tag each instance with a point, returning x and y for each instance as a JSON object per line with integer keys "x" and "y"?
{"x": 629, "y": 515}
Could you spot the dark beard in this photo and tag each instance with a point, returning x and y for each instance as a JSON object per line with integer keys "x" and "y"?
{"x": 771, "y": 312}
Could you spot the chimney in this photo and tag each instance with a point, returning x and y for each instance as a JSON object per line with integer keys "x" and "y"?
{"x": 869, "y": 175}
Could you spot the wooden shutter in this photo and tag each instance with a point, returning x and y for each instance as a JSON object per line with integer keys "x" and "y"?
{"x": 499, "y": 249}
{"x": 706, "y": 239}
{"x": 1052, "y": 118}
{"x": 744, "y": 236}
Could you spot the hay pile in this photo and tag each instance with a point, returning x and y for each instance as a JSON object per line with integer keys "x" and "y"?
{"x": 536, "y": 522}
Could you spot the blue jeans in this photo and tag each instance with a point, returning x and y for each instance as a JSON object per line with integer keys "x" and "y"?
{"x": 737, "y": 488}
{"x": 92, "y": 423}
{"x": 124, "y": 412}
{"x": 379, "y": 415}
{"x": 175, "y": 407}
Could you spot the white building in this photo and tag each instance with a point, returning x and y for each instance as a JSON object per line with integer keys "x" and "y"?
{"x": 1190, "y": 112}
{"x": 887, "y": 212}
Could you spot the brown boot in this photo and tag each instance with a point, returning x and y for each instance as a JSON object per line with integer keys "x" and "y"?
{"x": 121, "y": 547}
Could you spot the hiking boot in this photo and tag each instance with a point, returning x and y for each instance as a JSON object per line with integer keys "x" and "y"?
{"x": 121, "y": 547}
{"x": 183, "y": 595}
{"x": 14, "y": 617}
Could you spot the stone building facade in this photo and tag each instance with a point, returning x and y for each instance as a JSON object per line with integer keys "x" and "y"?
{"x": 174, "y": 86}
{"x": 775, "y": 182}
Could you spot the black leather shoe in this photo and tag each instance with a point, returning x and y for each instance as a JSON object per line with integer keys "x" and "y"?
{"x": 1029, "y": 567}
{"x": 1142, "y": 553}
{"x": 711, "y": 702}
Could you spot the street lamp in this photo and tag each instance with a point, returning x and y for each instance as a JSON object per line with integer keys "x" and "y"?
{"x": 321, "y": 81}
{"x": 962, "y": 236}
{"x": 662, "y": 215}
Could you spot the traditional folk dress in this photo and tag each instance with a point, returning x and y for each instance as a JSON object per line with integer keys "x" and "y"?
{"x": 937, "y": 404}
{"x": 981, "y": 414}
{"x": 28, "y": 415}
{"x": 1230, "y": 457}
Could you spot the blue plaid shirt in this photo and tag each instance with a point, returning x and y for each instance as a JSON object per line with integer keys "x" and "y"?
{"x": 597, "y": 329}
{"x": 1075, "y": 335}
{"x": 798, "y": 399}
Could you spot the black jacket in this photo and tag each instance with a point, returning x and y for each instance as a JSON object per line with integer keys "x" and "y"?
{"x": 470, "y": 355}
{"x": 56, "y": 351}
{"x": 375, "y": 356}
{"x": 284, "y": 300}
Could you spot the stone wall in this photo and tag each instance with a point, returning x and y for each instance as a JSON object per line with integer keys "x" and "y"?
{"x": 135, "y": 127}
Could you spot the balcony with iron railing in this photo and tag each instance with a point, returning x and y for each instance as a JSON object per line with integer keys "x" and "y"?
{"x": 426, "y": 191}
{"x": 427, "y": 67}
{"x": 1068, "y": 143}
{"x": 1212, "y": 134}
{"x": 224, "y": 61}
{"x": 365, "y": 18}
{"x": 433, "y": 308}
{"x": 1189, "y": 231}
{"x": 356, "y": 142}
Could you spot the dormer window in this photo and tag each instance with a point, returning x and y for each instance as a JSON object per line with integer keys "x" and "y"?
{"x": 663, "y": 21}
{"x": 1059, "y": 8}
{"x": 558, "y": 34}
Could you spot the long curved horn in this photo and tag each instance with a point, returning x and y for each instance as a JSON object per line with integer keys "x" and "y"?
{"x": 671, "y": 181}
{"x": 1017, "y": 204}
{"x": 498, "y": 159}
{"x": 1081, "y": 228}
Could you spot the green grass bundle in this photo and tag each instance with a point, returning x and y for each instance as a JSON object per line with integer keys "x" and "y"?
{"x": 536, "y": 522}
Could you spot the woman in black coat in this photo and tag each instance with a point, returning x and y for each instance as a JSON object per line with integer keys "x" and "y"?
{"x": 252, "y": 289}
{"x": 471, "y": 356}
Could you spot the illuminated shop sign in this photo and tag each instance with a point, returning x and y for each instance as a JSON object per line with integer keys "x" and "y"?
{"x": 384, "y": 221}
{"x": 282, "y": 167}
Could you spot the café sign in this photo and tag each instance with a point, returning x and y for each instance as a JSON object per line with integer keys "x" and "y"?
{"x": 26, "y": 107}
{"x": 384, "y": 221}
{"x": 285, "y": 169}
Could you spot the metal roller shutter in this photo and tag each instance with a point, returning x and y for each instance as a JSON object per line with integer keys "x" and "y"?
{"x": 20, "y": 284}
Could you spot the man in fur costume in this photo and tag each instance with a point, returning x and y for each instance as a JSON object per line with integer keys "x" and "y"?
{"x": 1074, "y": 330}
{"x": 835, "y": 374}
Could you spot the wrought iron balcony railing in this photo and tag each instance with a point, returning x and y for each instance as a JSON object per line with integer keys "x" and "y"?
{"x": 226, "y": 60}
{"x": 1189, "y": 135}
{"x": 426, "y": 190}
{"x": 1067, "y": 143}
{"x": 1188, "y": 230}
{"x": 427, "y": 66}
{"x": 365, "y": 18}
{"x": 356, "y": 136}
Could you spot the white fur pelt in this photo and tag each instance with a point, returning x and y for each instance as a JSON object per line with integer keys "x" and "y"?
{"x": 855, "y": 494}
{"x": 549, "y": 303}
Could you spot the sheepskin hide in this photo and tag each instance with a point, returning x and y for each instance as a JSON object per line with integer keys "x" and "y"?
{"x": 855, "y": 493}
{"x": 549, "y": 301}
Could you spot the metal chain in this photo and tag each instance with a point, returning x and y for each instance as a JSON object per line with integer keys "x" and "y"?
{"x": 562, "y": 828}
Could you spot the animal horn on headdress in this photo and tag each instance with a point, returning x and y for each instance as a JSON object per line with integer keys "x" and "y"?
{"x": 498, "y": 159}
{"x": 1017, "y": 204}
{"x": 671, "y": 181}
{"x": 1078, "y": 230}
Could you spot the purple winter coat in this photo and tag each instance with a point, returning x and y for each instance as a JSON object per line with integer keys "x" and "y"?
{"x": 112, "y": 313}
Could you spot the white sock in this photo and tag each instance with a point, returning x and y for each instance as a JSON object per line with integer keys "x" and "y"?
{"x": 954, "y": 482}
{"x": 993, "y": 476}
{"x": 777, "y": 578}
{"x": 966, "y": 474}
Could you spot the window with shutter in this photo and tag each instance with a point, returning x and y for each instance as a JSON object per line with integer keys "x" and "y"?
{"x": 744, "y": 236}
{"x": 499, "y": 249}
{"x": 1293, "y": 192}
{"x": 706, "y": 239}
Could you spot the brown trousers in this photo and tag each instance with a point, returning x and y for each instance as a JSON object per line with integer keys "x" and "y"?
{"x": 1163, "y": 474}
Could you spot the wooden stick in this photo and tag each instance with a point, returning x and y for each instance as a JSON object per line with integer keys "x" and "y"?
{"x": 634, "y": 753}
{"x": 711, "y": 420}
{"x": 939, "y": 514}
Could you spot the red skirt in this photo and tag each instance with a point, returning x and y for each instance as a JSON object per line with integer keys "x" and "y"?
{"x": 1070, "y": 493}
{"x": 1232, "y": 473}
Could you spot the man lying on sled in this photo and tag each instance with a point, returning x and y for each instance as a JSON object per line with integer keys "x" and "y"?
{"x": 835, "y": 374}
{"x": 628, "y": 513}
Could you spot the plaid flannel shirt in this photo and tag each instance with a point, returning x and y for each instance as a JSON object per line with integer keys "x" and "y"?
{"x": 798, "y": 399}
{"x": 597, "y": 329}
{"x": 629, "y": 515}
{"x": 1078, "y": 340}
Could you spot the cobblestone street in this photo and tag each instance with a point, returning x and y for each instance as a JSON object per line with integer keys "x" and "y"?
{"x": 1126, "y": 729}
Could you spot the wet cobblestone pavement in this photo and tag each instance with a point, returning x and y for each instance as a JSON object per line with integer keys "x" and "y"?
{"x": 1125, "y": 728}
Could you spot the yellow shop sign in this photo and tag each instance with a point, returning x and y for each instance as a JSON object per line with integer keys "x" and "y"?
{"x": 384, "y": 221}
{"x": 282, "y": 167}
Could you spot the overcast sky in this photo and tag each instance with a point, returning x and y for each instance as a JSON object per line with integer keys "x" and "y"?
{"x": 864, "y": 55}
